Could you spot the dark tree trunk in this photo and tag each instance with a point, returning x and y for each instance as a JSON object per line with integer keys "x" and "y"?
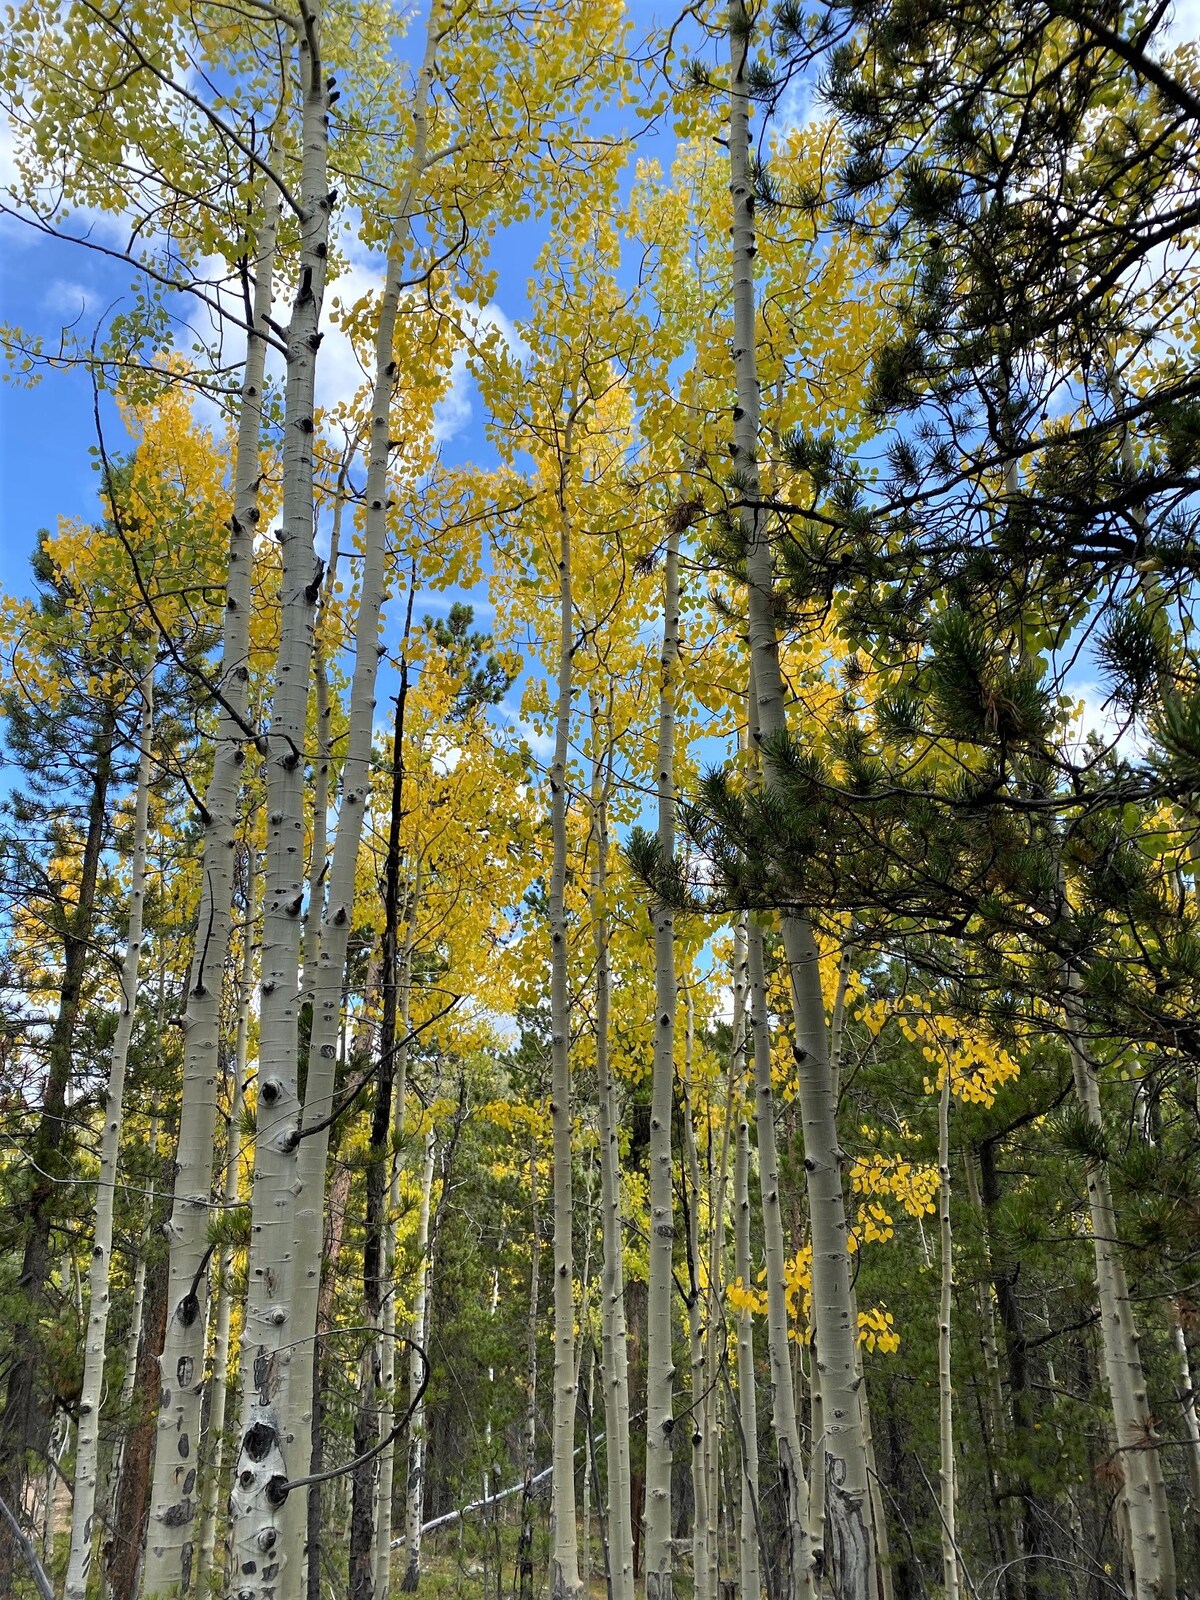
{"x": 366, "y": 1421}
{"x": 24, "y": 1425}
{"x": 123, "y": 1548}
{"x": 1034, "y": 1520}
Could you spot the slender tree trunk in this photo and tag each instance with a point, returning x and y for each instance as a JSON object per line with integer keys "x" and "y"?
{"x": 564, "y": 1559}
{"x": 800, "y": 1579}
{"x": 414, "y": 1488}
{"x": 123, "y": 1552}
{"x": 269, "y": 1529}
{"x": 1006, "y": 1510}
{"x": 170, "y": 1543}
{"x": 748, "y": 1551}
{"x": 24, "y": 1422}
{"x": 525, "y": 1538}
{"x": 334, "y": 1235}
{"x": 370, "y": 1551}
{"x": 851, "y": 1553}
{"x": 356, "y": 772}
{"x": 660, "y": 1365}
{"x": 318, "y": 861}
{"x": 715, "y": 1347}
{"x": 704, "y": 1512}
{"x": 950, "y": 1575}
{"x": 615, "y": 1362}
{"x": 387, "y": 1404}
{"x": 219, "y": 1385}
{"x": 1187, "y": 1400}
{"x": 1033, "y": 1517}
{"x": 87, "y": 1450}
{"x": 1137, "y": 1438}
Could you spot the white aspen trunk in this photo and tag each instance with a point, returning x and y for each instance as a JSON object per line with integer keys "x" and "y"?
{"x": 837, "y": 1050}
{"x": 1009, "y": 1514}
{"x": 1144, "y": 1493}
{"x": 799, "y": 1578}
{"x": 715, "y": 1347}
{"x": 132, "y": 1341}
{"x": 585, "y": 1532}
{"x": 218, "y": 1394}
{"x": 167, "y": 1561}
{"x": 950, "y": 1575}
{"x": 748, "y": 1550}
{"x": 87, "y": 1450}
{"x": 414, "y": 1490}
{"x": 268, "y": 1529}
{"x": 319, "y": 856}
{"x": 564, "y": 1558}
{"x": 1187, "y": 1396}
{"x": 705, "y": 1507}
{"x": 851, "y": 1550}
{"x": 356, "y": 772}
{"x": 614, "y": 1349}
{"x": 660, "y": 1366}
{"x": 525, "y": 1538}
{"x": 816, "y": 1468}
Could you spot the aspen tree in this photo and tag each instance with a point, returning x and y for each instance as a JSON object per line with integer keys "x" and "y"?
{"x": 339, "y": 909}
{"x": 218, "y": 1392}
{"x": 660, "y": 1365}
{"x": 1187, "y": 1400}
{"x": 945, "y": 1390}
{"x": 747, "y": 1403}
{"x": 799, "y": 1575}
{"x": 169, "y": 1545}
{"x": 87, "y": 1451}
{"x": 852, "y": 1556}
{"x": 705, "y": 1510}
{"x": 268, "y": 1534}
{"x": 564, "y": 1564}
{"x": 525, "y": 1538}
{"x": 614, "y": 1353}
{"x": 1144, "y": 1493}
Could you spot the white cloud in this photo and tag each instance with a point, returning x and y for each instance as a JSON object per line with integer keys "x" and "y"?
{"x": 1184, "y": 24}
{"x": 69, "y": 300}
{"x": 453, "y": 410}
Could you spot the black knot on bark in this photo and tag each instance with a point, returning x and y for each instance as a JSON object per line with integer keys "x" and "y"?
{"x": 258, "y": 1439}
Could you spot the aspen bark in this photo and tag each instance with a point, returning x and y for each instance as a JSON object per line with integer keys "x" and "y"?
{"x": 415, "y": 1484}
{"x": 1144, "y": 1492}
{"x": 268, "y": 1531}
{"x": 660, "y": 1367}
{"x": 1008, "y": 1515}
{"x": 218, "y": 1394}
{"x": 851, "y": 1553}
{"x": 87, "y": 1450}
{"x": 613, "y": 1338}
{"x": 800, "y": 1579}
{"x": 356, "y": 771}
{"x": 950, "y": 1575}
{"x": 748, "y": 1551}
{"x": 1187, "y": 1398}
{"x": 170, "y": 1543}
{"x": 564, "y": 1559}
{"x": 704, "y": 1508}
{"x": 525, "y": 1538}
{"x": 318, "y": 860}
